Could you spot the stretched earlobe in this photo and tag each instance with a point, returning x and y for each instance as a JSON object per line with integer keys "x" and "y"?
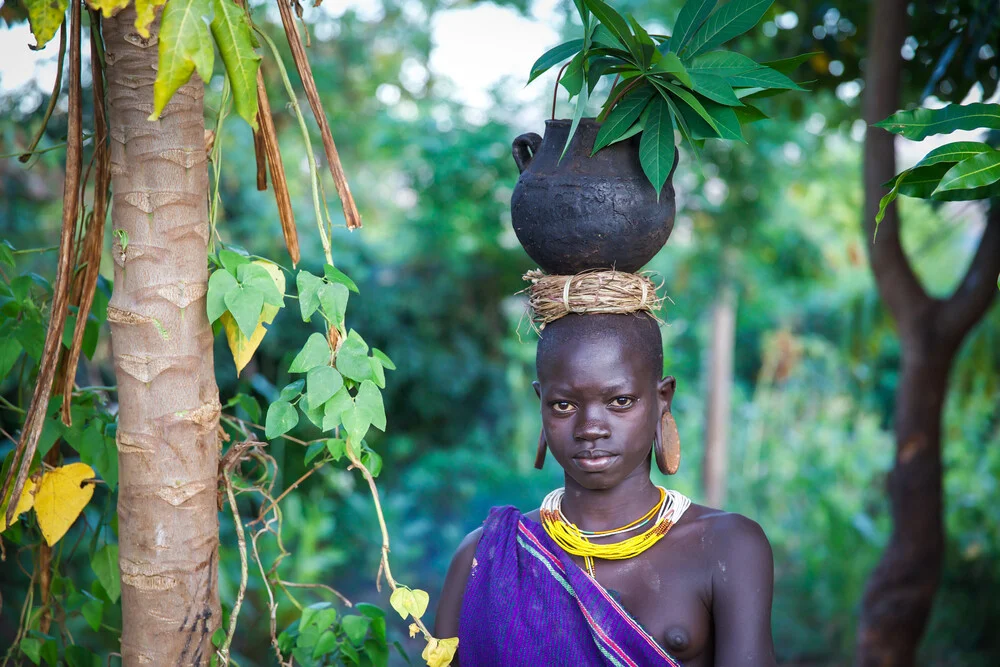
{"x": 542, "y": 447}
{"x": 667, "y": 445}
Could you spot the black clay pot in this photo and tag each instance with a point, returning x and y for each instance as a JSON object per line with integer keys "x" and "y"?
{"x": 586, "y": 212}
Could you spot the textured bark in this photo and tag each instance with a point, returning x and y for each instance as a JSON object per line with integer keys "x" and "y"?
{"x": 720, "y": 387}
{"x": 168, "y": 400}
{"x": 900, "y": 592}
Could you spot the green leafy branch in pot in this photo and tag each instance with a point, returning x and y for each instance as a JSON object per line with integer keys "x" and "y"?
{"x": 666, "y": 82}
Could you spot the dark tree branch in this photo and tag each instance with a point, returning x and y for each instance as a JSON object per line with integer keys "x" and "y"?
{"x": 898, "y": 286}
{"x": 973, "y": 296}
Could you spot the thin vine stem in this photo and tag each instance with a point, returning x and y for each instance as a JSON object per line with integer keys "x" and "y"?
{"x": 216, "y": 157}
{"x": 26, "y": 155}
{"x": 241, "y": 539}
{"x": 313, "y": 171}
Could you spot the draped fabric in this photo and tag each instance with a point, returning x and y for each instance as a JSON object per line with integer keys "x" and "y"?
{"x": 528, "y": 603}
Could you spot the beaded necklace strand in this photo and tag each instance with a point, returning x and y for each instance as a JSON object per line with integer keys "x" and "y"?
{"x": 573, "y": 540}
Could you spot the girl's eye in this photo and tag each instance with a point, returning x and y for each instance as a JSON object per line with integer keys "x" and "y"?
{"x": 623, "y": 402}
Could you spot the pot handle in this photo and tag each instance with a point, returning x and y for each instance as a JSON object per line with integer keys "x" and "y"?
{"x": 524, "y": 149}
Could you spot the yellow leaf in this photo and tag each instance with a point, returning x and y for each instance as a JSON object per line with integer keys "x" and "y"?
{"x": 241, "y": 346}
{"x": 60, "y": 498}
{"x": 439, "y": 652}
{"x": 24, "y": 503}
{"x": 414, "y": 630}
{"x": 45, "y": 17}
{"x": 145, "y": 12}
{"x": 108, "y": 7}
{"x": 409, "y": 602}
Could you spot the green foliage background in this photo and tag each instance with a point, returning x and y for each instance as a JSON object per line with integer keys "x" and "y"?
{"x": 438, "y": 266}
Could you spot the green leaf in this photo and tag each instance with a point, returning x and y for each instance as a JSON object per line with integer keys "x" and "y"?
{"x": 646, "y": 45}
{"x": 581, "y": 106}
{"x": 378, "y": 373}
{"x": 690, "y": 18}
{"x": 281, "y": 418}
{"x": 622, "y": 117}
{"x": 370, "y": 398}
{"x": 323, "y": 382}
{"x": 357, "y": 421}
{"x": 921, "y": 123}
{"x": 602, "y": 37}
{"x": 554, "y": 56}
{"x": 185, "y": 46}
{"x": 763, "y": 77}
{"x": 256, "y": 276}
{"x": 974, "y": 172}
{"x": 77, "y": 656}
{"x": 7, "y": 254}
{"x": 614, "y": 22}
{"x": 10, "y": 351}
{"x": 45, "y": 17}
{"x": 220, "y": 283}
{"x": 320, "y": 615}
{"x": 326, "y": 643}
{"x": 245, "y": 305}
{"x": 729, "y": 21}
{"x": 335, "y": 275}
{"x": 333, "y": 302}
{"x": 337, "y": 447}
{"x": 334, "y": 408}
{"x": 372, "y": 460}
{"x": 693, "y": 103}
{"x": 671, "y": 64}
{"x": 308, "y": 286}
{"x": 356, "y": 627}
{"x": 235, "y": 41}
{"x": 572, "y": 78}
{"x": 232, "y": 260}
{"x": 788, "y": 65}
{"x": 313, "y": 450}
{"x": 953, "y": 152}
{"x": 93, "y": 612}
{"x": 714, "y": 88}
{"x": 316, "y": 352}
{"x": 383, "y": 358}
{"x": 723, "y": 63}
{"x": 352, "y": 358}
{"x": 32, "y": 648}
{"x": 292, "y": 390}
{"x": 656, "y": 147}
{"x": 104, "y": 563}
{"x": 748, "y": 113}
{"x": 726, "y": 121}
{"x": 693, "y": 124}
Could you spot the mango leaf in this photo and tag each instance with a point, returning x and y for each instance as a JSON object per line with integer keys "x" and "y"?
{"x": 308, "y": 286}
{"x": 104, "y": 563}
{"x": 614, "y": 22}
{"x": 145, "y": 12}
{"x": 322, "y": 383}
{"x": 45, "y": 17}
{"x": 107, "y": 7}
{"x": 690, "y": 18}
{"x": 316, "y": 352}
{"x": 60, "y": 498}
{"x": 671, "y": 64}
{"x": 714, "y": 88}
{"x": 335, "y": 275}
{"x": 185, "y": 46}
{"x": 729, "y": 21}
{"x": 232, "y": 34}
{"x": 726, "y": 121}
{"x": 723, "y": 63}
{"x": 622, "y": 117}
{"x": 956, "y": 151}
{"x": 281, "y": 418}
{"x": 788, "y": 65}
{"x": 920, "y": 181}
{"x": 245, "y": 305}
{"x": 656, "y": 147}
{"x": 554, "y": 56}
{"x": 370, "y": 398}
{"x": 921, "y": 123}
{"x": 974, "y": 172}
{"x": 763, "y": 77}
{"x": 974, "y": 194}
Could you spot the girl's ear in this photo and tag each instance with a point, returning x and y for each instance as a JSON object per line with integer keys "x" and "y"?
{"x": 538, "y": 388}
{"x": 665, "y": 390}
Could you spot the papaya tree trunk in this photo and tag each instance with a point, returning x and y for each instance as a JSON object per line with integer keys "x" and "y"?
{"x": 900, "y": 592}
{"x": 168, "y": 448}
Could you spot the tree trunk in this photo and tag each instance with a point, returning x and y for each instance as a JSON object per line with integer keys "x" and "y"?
{"x": 720, "y": 387}
{"x": 900, "y": 592}
{"x": 168, "y": 448}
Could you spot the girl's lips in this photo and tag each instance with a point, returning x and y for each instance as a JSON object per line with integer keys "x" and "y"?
{"x": 595, "y": 463}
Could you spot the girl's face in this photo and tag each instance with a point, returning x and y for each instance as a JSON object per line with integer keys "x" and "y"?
{"x": 600, "y": 409}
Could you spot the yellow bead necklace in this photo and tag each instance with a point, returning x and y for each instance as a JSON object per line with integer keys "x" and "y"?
{"x": 573, "y": 540}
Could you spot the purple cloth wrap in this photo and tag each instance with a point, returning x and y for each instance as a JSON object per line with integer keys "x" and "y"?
{"x": 528, "y": 603}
